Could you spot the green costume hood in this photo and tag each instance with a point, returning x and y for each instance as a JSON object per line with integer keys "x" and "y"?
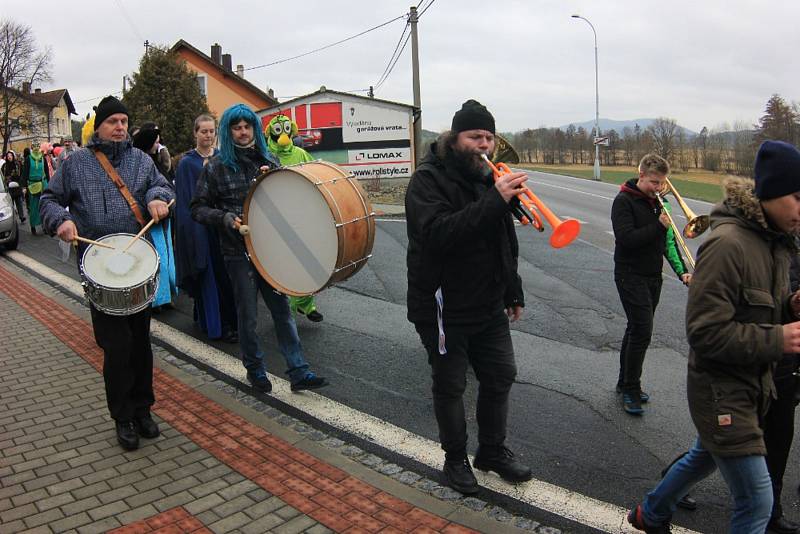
{"x": 279, "y": 133}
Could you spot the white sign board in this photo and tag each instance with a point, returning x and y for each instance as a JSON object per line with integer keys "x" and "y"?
{"x": 379, "y": 155}
{"x": 365, "y": 122}
{"x": 601, "y": 141}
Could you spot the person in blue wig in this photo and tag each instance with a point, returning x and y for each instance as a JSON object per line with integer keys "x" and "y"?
{"x": 200, "y": 269}
{"x": 219, "y": 201}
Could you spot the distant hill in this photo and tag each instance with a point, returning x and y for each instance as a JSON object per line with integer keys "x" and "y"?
{"x": 611, "y": 124}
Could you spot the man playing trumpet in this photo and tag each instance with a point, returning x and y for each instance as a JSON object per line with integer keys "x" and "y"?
{"x": 641, "y": 233}
{"x": 463, "y": 288}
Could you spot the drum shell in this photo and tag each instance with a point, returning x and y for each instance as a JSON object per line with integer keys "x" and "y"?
{"x": 120, "y": 301}
{"x": 351, "y": 212}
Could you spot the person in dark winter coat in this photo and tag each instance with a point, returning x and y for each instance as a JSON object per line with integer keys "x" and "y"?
{"x": 463, "y": 288}
{"x": 219, "y": 201}
{"x": 12, "y": 171}
{"x": 641, "y": 239}
{"x": 740, "y": 320}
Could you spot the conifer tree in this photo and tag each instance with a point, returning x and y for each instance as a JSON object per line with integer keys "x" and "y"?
{"x": 779, "y": 121}
{"x": 166, "y": 92}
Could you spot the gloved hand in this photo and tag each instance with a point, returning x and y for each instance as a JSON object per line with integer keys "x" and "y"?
{"x": 229, "y": 224}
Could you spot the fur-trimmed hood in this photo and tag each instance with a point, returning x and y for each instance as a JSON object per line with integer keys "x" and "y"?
{"x": 740, "y": 205}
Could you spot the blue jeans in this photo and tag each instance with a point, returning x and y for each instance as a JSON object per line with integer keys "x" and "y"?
{"x": 247, "y": 283}
{"x": 747, "y": 478}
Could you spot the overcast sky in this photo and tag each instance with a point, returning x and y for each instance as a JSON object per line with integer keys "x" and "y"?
{"x": 701, "y": 62}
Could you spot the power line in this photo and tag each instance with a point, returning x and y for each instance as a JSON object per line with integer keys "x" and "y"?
{"x": 392, "y": 57}
{"x": 425, "y": 8}
{"x": 128, "y": 20}
{"x": 328, "y": 45}
{"x": 395, "y": 62}
{"x": 96, "y": 98}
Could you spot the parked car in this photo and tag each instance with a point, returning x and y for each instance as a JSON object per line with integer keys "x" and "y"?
{"x": 9, "y": 225}
{"x": 309, "y": 138}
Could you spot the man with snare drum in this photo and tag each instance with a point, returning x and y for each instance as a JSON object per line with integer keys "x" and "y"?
{"x": 219, "y": 201}
{"x": 98, "y": 208}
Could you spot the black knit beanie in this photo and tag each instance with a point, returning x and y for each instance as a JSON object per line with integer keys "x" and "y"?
{"x": 472, "y": 116}
{"x": 777, "y": 170}
{"x": 107, "y": 107}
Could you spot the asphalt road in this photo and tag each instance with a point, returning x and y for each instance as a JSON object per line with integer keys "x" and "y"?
{"x": 565, "y": 418}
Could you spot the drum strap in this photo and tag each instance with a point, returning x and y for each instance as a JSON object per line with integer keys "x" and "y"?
{"x": 123, "y": 189}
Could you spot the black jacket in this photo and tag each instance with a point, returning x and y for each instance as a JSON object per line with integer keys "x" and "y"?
{"x": 222, "y": 190}
{"x": 461, "y": 238}
{"x": 640, "y": 237}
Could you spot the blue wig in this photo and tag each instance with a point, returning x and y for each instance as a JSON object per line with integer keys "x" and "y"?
{"x": 233, "y": 115}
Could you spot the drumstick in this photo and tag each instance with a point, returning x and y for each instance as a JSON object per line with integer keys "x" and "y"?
{"x": 145, "y": 228}
{"x": 93, "y": 242}
{"x": 243, "y": 228}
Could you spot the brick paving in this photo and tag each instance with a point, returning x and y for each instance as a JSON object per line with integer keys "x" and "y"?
{"x": 211, "y": 470}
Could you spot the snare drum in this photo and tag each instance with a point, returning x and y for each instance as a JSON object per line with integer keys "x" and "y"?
{"x": 124, "y": 294}
{"x": 311, "y": 225}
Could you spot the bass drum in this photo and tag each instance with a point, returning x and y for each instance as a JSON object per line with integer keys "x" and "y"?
{"x": 311, "y": 225}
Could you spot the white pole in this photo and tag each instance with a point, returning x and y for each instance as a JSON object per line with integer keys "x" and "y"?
{"x": 596, "y": 102}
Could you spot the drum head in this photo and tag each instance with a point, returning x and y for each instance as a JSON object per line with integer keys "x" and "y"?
{"x": 95, "y": 262}
{"x": 292, "y": 232}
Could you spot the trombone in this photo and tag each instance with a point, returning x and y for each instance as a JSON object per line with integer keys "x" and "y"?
{"x": 696, "y": 225}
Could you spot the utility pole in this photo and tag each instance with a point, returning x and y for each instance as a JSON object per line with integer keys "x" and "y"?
{"x": 124, "y": 84}
{"x": 412, "y": 20}
{"x": 146, "y": 46}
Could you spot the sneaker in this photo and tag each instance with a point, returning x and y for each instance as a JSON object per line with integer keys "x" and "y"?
{"x": 260, "y": 381}
{"x": 230, "y": 336}
{"x": 688, "y": 503}
{"x": 501, "y": 461}
{"x": 632, "y": 404}
{"x": 642, "y": 395}
{"x": 127, "y": 436}
{"x": 314, "y": 316}
{"x": 636, "y": 519}
{"x": 146, "y": 427}
{"x": 311, "y": 381}
{"x": 459, "y": 476}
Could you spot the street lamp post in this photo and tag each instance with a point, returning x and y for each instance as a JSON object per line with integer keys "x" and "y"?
{"x": 596, "y": 103}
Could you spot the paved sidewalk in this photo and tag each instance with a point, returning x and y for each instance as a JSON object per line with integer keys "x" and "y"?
{"x": 219, "y": 466}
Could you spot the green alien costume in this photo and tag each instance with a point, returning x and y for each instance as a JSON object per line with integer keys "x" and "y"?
{"x": 279, "y": 134}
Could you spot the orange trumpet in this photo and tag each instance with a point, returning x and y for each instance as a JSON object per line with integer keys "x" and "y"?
{"x": 529, "y": 207}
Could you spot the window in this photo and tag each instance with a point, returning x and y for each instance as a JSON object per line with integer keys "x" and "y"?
{"x": 201, "y": 81}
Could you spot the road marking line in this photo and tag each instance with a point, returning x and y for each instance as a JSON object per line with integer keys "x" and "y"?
{"x": 549, "y": 497}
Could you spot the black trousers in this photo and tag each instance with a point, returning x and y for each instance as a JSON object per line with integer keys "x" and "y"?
{"x": 127, "y": 362}
{"x": 18, "y": 204}
{"x": 778, "y": 436}
{"x": 639, "y": 296}
{"x": 488, "y": 348}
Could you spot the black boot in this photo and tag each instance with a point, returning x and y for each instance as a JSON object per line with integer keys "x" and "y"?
{"x": 458, "y": 475}
{"x": 127, "y": 436}
{"x": 146, "y": 427}
{"x": 501, "y": 461}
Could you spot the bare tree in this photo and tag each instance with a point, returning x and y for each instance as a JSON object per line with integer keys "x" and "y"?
{"x": 744, "y": 149}
{"x": 22, "y": 64}
{"x": 664, "y": 131}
